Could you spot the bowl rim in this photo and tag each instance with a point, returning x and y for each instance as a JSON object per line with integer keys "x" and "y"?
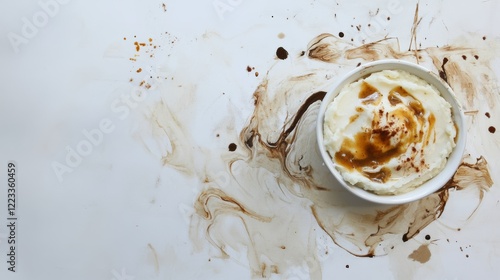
{"x": 454, "y": 159}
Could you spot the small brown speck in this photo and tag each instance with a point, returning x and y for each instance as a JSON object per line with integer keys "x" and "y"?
{"x": 492, "y": 129}
{"x": 150, "y": 40}
{"x": 131, "y": 80}
{"x": 281, "y": 53}
{"x": 139, "y": 70}
{"x": 487, "y": 114}
{"x": 476, "y": 57}
{"x": 427, "y": 237}
{"x": 164, "y": 6}
{"x": 283, "y": 247}
{"x": 388, "y": 18}
{"x": 302, "y": 53}
{"x": 466, "y": 256}
{"x": 256, "y": 74}
{"x": 232, "y": 147}
{"x": 124, "y": 38}
{"x": 359, "y": 64}
{"x": 281, "y": 35}
{"x": 464, "y": 57}
{"x": 346, "y": 266}
{"x": 218, "y": 135}
{"x": 484, "y": 38}
{"x": 249, "y": 69}
{"x": 341, "y": 34}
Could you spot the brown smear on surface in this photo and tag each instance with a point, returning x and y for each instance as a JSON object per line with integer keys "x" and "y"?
{"x": 277, "y": 194}
{"x": 155, "y": 258}
{"x": 279, "y": 138}
{"x": 421, "y": 255}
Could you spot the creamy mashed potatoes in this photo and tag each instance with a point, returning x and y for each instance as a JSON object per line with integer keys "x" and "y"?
{"x": 390, "y": 132}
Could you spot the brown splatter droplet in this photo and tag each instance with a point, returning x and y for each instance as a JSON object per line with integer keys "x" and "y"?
{"x": 476, "y": 57}
{"x": 421, "y": 255}
{"x": 347, "y": 266}
{"x": 139, "y": 70}
{"x": 341, "y": 34}
{"x": 281, "y": 35}
{"x": 124, "y": 38}
{"x": 281, "y": 53}
{"x": 427, "y": 237}
{"x": 492, "y": 129}
{"x": 464, "y": 57}
{"x": 249, "y": 69}
{"x": 484, "y": 38}
{"x": 487, "y": 114}
{"x": 232, "y": 147}
{"x": 388, "y": 18}
{"x": 283, "y": 247}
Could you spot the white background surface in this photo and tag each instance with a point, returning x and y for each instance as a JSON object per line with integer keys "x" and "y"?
{"x": 99, "y": 222}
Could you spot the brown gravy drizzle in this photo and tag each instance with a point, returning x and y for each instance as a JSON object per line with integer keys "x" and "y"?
{"x": 373, "y": 147}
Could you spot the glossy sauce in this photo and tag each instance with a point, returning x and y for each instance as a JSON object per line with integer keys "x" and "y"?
{"x": 375, "y": 146}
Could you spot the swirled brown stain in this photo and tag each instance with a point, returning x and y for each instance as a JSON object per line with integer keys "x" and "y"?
{"x": 276, "y": 169}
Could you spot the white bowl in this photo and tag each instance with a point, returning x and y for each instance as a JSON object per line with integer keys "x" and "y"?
{"x": 454, "y": 159}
